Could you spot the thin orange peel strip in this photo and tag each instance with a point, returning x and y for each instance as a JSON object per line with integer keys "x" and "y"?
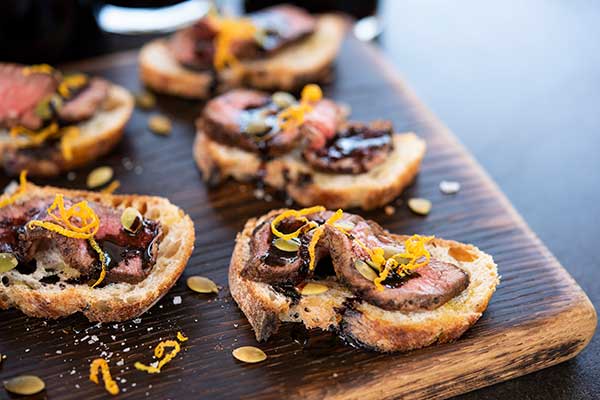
{"x": 293, "y": 116}
{"x": 71, "y": 82}
{"x": 34, "y": 138}
{"x": 181, "y": 337}
{"x": 69, "y": 135}
{"x": 38, "y": 69}
{"x": 159, "y": 351}
{"x": 100, "y": 364}
{"x": 230, "y": 30}
{"x": 110, "y": 189}
{"x": 317, "y": 235}
{"x": 300, "y": 214}
{"x": 7, "y": 200}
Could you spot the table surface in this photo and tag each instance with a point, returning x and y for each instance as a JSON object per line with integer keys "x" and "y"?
{"x": 517, "y": 82}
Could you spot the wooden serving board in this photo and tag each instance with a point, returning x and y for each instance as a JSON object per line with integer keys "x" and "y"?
{"x": 538, "y": 316}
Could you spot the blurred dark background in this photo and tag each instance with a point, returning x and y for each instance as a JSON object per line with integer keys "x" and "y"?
{"x": 518, "y": 82}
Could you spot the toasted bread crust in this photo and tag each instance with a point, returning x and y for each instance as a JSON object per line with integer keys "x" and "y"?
{"x": 369, "y": 190}
{"x": 356, "y": 320}
{"x": 98, "y": 136}
{"x": 305, "y": 62}
{"x": 114, "y": 302}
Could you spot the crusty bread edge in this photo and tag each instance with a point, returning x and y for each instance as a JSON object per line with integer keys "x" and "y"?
{"x": 89, "y": 147}
{"x": 183, "y": 82}
{"x": 265, "y": 309}
{"x": 243, "y": 166}
{"x": 61, "y": 303}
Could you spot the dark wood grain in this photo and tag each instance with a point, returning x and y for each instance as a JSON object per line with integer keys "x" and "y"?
{"x": 537, "y": 318}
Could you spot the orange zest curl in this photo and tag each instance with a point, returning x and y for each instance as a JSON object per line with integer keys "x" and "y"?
{"x": 230, "y": 30}
{"x": 181, "y": 337}
{"x": 78, "y": 222}
{"x": 317, "y": 235}
{"x": 7, "y": 200}
{"x": 38, "y": 69}
{"x": 71, "y": 82}
{"x": 68, "y": 136}
{"x": 33, "y": 138}
{"x": 100, "y": 364}
{"x": 110, "y": 189}
{"x": 300, "y": 214}
{"x": 293, "y": 116}
{"x": 159, "y": 351}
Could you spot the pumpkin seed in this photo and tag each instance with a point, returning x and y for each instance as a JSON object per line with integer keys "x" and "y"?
{"x": 145, "y": 100}
{"x": 365, "y": 270}
{"x": 313, "y": 288}
{"x": 460, "y": 254}
{"x": 43, "y": 109}
{"x": 345, "y": 225}
{"x": 100, "y": 176}
{"x": 290, "y": 246}
{"x": 201, "y": 284}
{"x": 25, "y": 385}
{"x": 389, "y": 250}
{"x": 283, "y": 99}
{"x": 160, "y": 125}
{"x": 249, "y": 354}
{"x": 449, "y": 187}
{"x": 371, "y": 264}
{"x": 7, "y": 262}
{"x": 256, "y": 126}
{"x": 419, "y": 206}
{"x": 131, "y": 219}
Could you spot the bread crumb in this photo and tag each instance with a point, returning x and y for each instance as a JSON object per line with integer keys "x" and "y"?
{"x": 389, "y": 210}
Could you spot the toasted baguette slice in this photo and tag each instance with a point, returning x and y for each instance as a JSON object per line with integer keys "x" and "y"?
{"x": 115, "y": 301}
{"x": 307, "y": 186}
{"x": 289, "y": 69}
{"x": 98, "y": 136}
{"x": 357, "y": 321}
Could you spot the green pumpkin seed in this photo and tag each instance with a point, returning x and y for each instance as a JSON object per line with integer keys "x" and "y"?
{"x": 99, "y": 176}
{"x": 389, "y": 250}
{"x": 365, "y": 270}
{"x": 131, "y": 219}
{"x": 43, "y": 109}
{"x": 160, "y": 125}
{"x": 200, "y": 284}
{"x": 312, "y": 288}
{"x": 145, "y": 100}
{"x": 345, "y": 225}
{"x": 283, "y": 99}
{"x": 290, "y": 246}
{"x": 419, "y": 206}
{"x": 25, "y": 385}
{"x": 249, "y": 354}
{"x": 7, "y": 262}
{"x": 256, "y": 126}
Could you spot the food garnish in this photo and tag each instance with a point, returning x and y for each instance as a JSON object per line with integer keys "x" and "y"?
{"x": 38, "y": 69}
{"x": 25, "y": 385}
{"x": 145, "y": 100}
{"x": 111, "y": 187}
{"x": 131, "y": 219}
{"x": 69, "y": 135}
{"x": 78, "y": 222}
{"x": 100, "y": 364}
{"x": 181, "y": 337}
{"x": 230, "y": 30}
{"x": 449, "y": 187}
{"x": 313, "y": 288}
{"x": 293, "y": 116}
{"x": 159, "y": 352}
{"x": 6, "y": 200}
{"x": 200, "y": 284}
{"x": 290, "y": 246}
{"x": 419, "y": 206}
{"x": 249, "y": 354}
{"x": 283, "y": 99}
{"x": 8, "y": 261}
{"x": 160, "y": 124}
{"x": 382, "y": 260}
{"x": 99, "y": 176}
{"x": 70, "y": 83}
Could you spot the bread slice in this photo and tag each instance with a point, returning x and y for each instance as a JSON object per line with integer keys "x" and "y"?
{"x": 289, "y": 69}
{"x": 359, "y": 322}
{"x": 369, "y": 190}
{"x": 115, "y": 301}
{"x": 98, "y": 135}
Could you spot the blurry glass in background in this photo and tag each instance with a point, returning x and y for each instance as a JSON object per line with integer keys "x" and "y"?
{"x": 53, "y": 31}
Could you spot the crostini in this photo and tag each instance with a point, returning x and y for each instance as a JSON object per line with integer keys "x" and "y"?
{"x": 52, "y": 122}
{"x": 304, "y": 147}
{"x": 337, "y": 271}
{"x": 110, "y": 257}
{"x": 278, "y": 48}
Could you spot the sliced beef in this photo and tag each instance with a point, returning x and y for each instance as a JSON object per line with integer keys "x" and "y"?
{"x": 194, "y": 47}
{"x": 272, "y": 265}
{"x": 129, "y": 257}
{"x": 20, "y": 94}
{"x": 227, "y": 119}
{"x": 85, "y": 103}
{"x": 427, "y": 288}
{"x": 355, "y": 149}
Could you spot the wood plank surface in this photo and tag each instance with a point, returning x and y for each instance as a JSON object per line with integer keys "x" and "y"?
{"x": 538, "y": 316}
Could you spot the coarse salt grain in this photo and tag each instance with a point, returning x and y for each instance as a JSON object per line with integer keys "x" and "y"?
{"x": 177, "y": 300}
